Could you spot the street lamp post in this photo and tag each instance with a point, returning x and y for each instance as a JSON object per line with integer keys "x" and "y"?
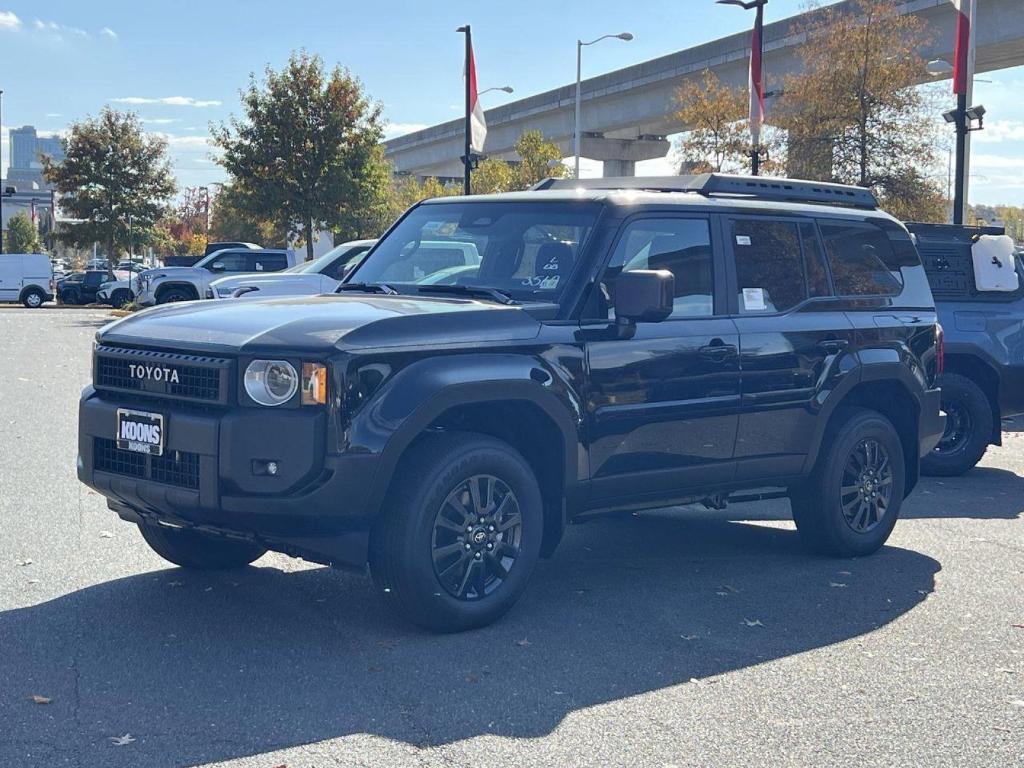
{"x": 503, "y": 88}
{"x": 579, "y": 71}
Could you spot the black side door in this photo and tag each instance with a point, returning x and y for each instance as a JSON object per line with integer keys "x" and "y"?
{"x": 795, "y": 341}
{"x": 662, "y": 404}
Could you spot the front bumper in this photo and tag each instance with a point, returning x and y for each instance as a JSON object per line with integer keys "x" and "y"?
{"x": 932, "y": 423}
{"x": 316, "y": 508}
{"x": 144, "y": 297}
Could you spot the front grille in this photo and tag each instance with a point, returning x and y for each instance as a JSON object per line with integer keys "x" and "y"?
{"x": 195, "y": 378}
{"x": 179, "y": 468}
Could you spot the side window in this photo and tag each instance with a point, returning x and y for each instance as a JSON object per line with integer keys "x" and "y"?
{"x": 814, "y": 262}
{"x": 233, "y": 261}
{"x": 769, "y": 265}
{"x": 339, "y": 268}
{"x": 268, "y": 262}
{"x": 862, "y": 259}
{"x": 680, "y": 245}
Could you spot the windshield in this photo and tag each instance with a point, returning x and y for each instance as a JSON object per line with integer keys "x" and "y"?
{"x": 319, "y": 264}
{"x": 525, "y": 249}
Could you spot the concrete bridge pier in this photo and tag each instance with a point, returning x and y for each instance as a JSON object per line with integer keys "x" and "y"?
{"x": 620, "y": 156}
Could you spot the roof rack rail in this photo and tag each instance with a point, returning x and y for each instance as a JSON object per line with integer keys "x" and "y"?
{"x": 756, "y": 187}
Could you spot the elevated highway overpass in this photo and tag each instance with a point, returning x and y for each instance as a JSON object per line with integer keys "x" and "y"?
{"x": 628, "y": 113}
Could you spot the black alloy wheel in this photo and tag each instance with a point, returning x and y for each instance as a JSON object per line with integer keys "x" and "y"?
{"x": 476, "y": 537}
{"x": 866, "y": 492}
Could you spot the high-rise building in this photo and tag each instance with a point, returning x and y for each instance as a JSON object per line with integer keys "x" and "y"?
{"x": 50, "y": 146}
{"x": 23, "y": 147}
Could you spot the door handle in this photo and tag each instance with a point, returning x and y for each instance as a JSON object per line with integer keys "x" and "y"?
{"x": 833, "y": 346}
{"x": 718, "y": 350}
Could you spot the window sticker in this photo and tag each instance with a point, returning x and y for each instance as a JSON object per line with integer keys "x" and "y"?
{"x": 753, "y": 299}
{"x": 742, "y": 239}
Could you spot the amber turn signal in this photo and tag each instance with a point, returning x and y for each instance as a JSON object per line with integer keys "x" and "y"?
{"x": 314, "y": 384}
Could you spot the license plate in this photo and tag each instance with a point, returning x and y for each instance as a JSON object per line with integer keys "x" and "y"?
{"x": 140, "y": 432}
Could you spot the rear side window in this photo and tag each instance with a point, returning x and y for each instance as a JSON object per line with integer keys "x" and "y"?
{"x": 232, "y": 262}
{"x": 269, "y": 262}
{"x": 862, "y": 259}
{"x": 769, "y": 265}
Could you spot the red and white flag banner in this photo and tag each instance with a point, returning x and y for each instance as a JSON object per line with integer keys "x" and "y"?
{"x": 962, "y": 49}
{"x": 756, "y": 82}
{"x": 477, "y": 124}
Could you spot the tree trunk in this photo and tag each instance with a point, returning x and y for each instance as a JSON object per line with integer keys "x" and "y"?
{"x": 309, "y": 239}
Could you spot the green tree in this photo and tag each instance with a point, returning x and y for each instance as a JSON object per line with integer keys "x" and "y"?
{"x": 306, "y": 147}
{"x": 855, "y": 114}
{"x": 111, "y": 170}
{"x": 22, "y": 236}
{"x": 231, "y": 221}
{"x": 538, "y": 159}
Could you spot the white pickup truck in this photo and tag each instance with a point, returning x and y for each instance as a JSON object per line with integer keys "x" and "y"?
{"x": 167, "y": 284}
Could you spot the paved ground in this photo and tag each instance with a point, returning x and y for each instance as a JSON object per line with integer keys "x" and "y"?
{"x": 633, "y": 646}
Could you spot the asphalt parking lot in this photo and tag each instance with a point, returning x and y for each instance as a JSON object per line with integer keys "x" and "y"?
{"x": 673, "y": 638}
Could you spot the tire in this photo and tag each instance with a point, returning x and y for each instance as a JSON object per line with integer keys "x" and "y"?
{"x": 33, "y": 298}
{"x": 852, "y": 523}
{"x": 431, "y": 515}
{"x": 969, "y": 425}
{"x": 191, "y": 549}
{"x": 70, "y": 297}
{"x": 120, "y": 297}
{"x": 174, "y": 294}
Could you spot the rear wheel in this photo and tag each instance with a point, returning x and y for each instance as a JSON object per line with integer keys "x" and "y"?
{"x": 851, "y": 503}
{"x": 460, "y": 533}
{"x": 191, "y": 549}
{"x": 969, "y": 426}
{"x": 70, "y": 296}
{"x": 33, "y": 298}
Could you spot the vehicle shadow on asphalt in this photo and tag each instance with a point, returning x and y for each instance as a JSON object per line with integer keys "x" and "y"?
{"x": 208, "y": 667}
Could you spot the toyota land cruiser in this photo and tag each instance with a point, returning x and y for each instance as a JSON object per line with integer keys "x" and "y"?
{"x": 622, "y": 344}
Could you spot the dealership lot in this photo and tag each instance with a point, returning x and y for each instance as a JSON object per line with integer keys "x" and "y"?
{"x": 678, "y": 637}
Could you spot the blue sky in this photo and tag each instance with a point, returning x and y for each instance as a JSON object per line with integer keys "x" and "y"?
{"x": 180, "y": 65}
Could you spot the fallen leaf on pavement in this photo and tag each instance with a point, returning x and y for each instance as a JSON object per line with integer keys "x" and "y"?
{"x": 26, "y": 561}
{"x": 753, "y": 622}
{"x": 1017, "y": 626}
{"x": 120, "y": 741}
{"x": 40, "y": 699}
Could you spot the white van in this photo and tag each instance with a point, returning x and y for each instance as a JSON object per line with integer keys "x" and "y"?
{"x": 26, "y": 278}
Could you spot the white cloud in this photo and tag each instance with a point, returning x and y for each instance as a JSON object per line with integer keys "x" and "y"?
{"x": 999, "y": 162}
{"x": 997, "y": 131}
{"x": 58, "y": 30}
{"x": 8, "y": 20}
{"x": 172, "y": 101}
{"x": 159, "y": 120}
{"x": 108, "y": 32}
{"x": 185, "y": 142}
{"x": 391, "y": 130}
{"x": 53, "y": 114}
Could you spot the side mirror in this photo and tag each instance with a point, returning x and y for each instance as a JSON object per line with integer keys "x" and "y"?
{"x": 644, "y": 295}
{"x": 217, "y": 266}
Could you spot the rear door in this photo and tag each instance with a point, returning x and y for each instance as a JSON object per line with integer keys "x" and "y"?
{"x": 793, "y": 340}
{"x": 663, "y": 402}
{"x": 10, "y": 277}
{"x": 268, "y": 262}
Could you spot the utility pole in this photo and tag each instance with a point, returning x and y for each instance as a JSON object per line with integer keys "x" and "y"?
{"x": 757, "y": 93}
{"x": 467, "y": 159}
{"x": 962, "y": 116}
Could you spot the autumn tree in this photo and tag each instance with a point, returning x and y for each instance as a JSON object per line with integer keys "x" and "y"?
{"x": 855, "y": 114}
{"x": 232, "y": 221}
{"x": 112, "y": 170}
{"x": 538, "y": 159}
{"x": 22, "y": 236}
{"x": 304, "y": 147}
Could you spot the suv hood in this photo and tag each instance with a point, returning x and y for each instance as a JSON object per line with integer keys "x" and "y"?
{"x": 321, "y": 323}
{"x": 277, "y": 283}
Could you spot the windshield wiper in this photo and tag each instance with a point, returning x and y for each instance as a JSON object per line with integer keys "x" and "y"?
{"x": 367, "y": 288}
{"x": 496, "y": 294}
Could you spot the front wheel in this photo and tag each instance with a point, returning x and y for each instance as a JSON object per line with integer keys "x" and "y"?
{"x": 33, "y": 299}
{"x": 460, "y": 533}
{"x": 174, "y": 295}
{"x": 191, "y": 549}
{"x": 969, "y": 427}
{"x": 850, "y": 504}
{"x": 120, "y": 298}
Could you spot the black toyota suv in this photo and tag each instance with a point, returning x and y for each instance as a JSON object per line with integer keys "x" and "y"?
{"x": 613, "y": 344}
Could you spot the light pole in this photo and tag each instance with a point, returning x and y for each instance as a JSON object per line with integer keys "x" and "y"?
{"x": 503, "y": 88}
{"x": 966, "y": 120}
{"x": 579, "y": 71}
{"x": 131, "y": 244}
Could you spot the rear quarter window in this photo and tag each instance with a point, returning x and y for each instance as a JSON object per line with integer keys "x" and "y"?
{"x": 863, "y": 260}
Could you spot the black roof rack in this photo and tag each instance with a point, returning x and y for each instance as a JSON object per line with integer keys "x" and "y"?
{"x": 756, "y": 187}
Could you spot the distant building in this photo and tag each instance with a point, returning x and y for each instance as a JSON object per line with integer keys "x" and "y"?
{"x": 27, "y": 147}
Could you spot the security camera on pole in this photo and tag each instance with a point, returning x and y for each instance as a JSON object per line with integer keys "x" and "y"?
{"x": 964, "y": 117}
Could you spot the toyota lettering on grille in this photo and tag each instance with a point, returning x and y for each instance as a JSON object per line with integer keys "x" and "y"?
{"x": 153, "y": 373}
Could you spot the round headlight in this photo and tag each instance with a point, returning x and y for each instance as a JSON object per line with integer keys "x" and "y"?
{"x": 271, "y": 382}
